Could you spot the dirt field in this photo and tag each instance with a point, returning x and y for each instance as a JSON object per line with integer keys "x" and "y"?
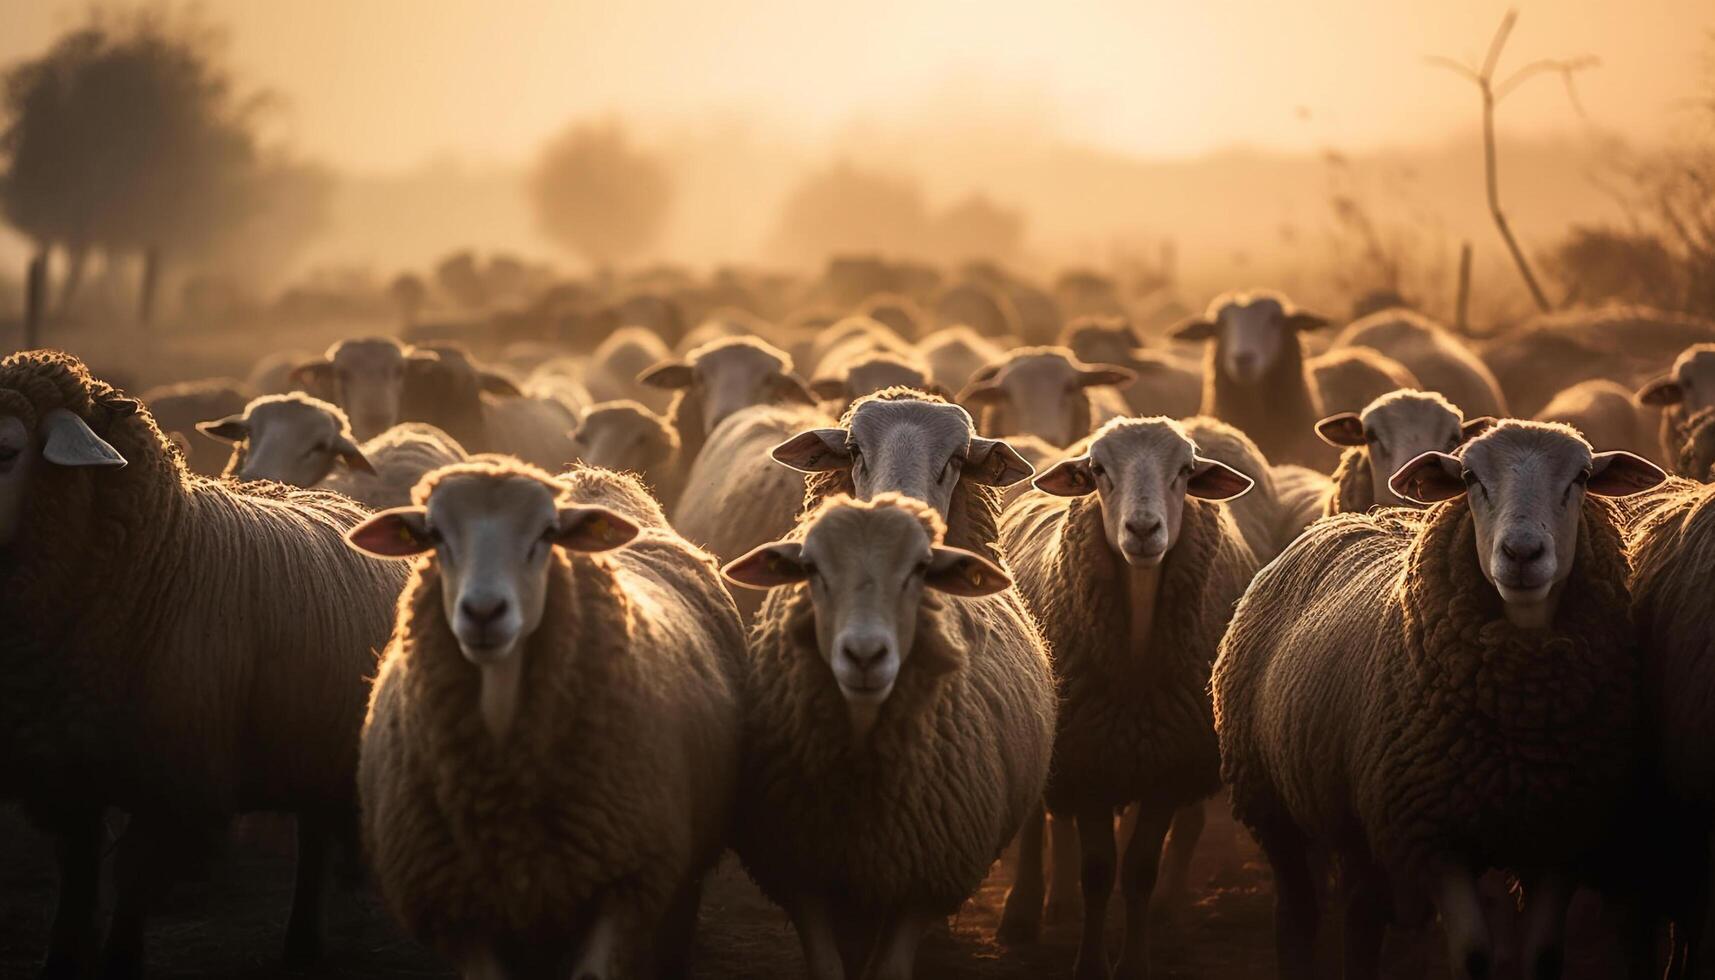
{"x": 231, "y": 926}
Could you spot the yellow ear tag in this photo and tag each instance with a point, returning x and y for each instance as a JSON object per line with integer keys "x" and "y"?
{"x": 406, "y": 536}
{"x": 601, "y": 528}
{"x": 975, "y": 577}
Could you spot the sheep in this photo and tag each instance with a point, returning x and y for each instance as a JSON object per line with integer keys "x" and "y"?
{"x": 1606, "y": 413}
{"x": 956, "y": 353}
{"x": 916, "y": 444}
{"x": 899, "y": 313}
{"x": 1686, "y": 389}
{"x": 627, "y": 437}
{"x": 984, "y": 310}
{"x": 1348, "y": 378}
{"x": 1628, "y": 344}
{"x": 717, "y": 379}
{"x": 548, "y": 765}
{"x": 365, "y": 376}
{"x": 305, "y": 442}
{"x": 178, "y": 408}
{"x": 895, "y": 740}
{"x": 1388, "y": 433}
{"x": 1282, "y": 500}
{"x": 1166, "y": 384}
{"x": 215, "y": 660}
{"x": 871, "y": 374}
{"x": 1430, "y": 694}
{"x": 484, "y": 411}
{"x": 1440, "y": 360}
{"x": 1254, "y": 374}
{"x": 1046, "y": 392}
{"x": 272, "y": 373}
{"x": 617, "y": 362}
{"x": 1301, "y": 496}
{"x": 853, "y": 339}
{"x": 1132, "y": 572}
{"x": 1695, "y": 459}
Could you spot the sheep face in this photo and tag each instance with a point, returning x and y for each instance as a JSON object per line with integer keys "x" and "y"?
{"x": 729, "y": 375}
{"x": 365, "y": 377}
{"x": 1525, "y": 484}
{"x": 877, "y": 374}
{"x": 1250, "y": 332}
{"x": 1040, "y": 394}
{"x": 1109, "y": 340}
{"x": 1142, "y": 470}
{"x": 916, "y": 448}
{"x": 1397, "y": 428}
{"x": 287, "y": 439}
{"x": 1691, "y": 383}
{"x": 493, "y": 535}
{"x": 63, "y": 439}
{"x": 867, "y": 565}
{"x": 622, "y": 436}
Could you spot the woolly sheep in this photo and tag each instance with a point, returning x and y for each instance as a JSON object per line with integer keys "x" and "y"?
{"x": 1388, "y": 433}
{"x": 619, "y": 359}
{"x": 1628, "y": 344}
{"x": 898, "y": 313}
{"x": 1254, "y": 374}
{"x": 956, "y": 353}
{"x": 1460, "y": 696}
{"x": 567, "y": 821}
{"x": 982, "y": 309}
{"x": 1606, "y": 413}
{"x": 484, "y": 411}
{"x": 1302, "y": 494}
{"x": 626, "y": 437}
{"x": 717, "y": 379}
{"x": 365, "y": 376}
{"x": 896, "y": 738}
{"x": 178, "y": 408}
{"x": 398, "y": 459}
{"x": 1046, "y": 392}
{"x": 872, "y": 374}
{"x": 1132, "y": 572}
{"x": 1166, "y": 383}
{"x": 1440, "y": 360}
{"x": 1686, "y": 389}
{"x": 1275, "y": 509}
{"x": 1695, "y": 459}
{"x": 854, "y": 339}
{"x": 240, "y": 608}
{"x": 918, "y": 445}
{"x": 1348, "y": 378}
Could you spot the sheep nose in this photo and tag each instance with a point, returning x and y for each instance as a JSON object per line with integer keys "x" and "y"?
{"x": 1245, "y": 361}
{"x": 1523, "y": 549}
{"x": 481, "y": 612}
{"x": 1143, "y": 527}
{"x": 864, "y": 652}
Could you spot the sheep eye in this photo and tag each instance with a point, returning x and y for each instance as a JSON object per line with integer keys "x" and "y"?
{"x": 1098, "y": 470}
{"x": 1186, "y": 471}
{"x": 9, "y": 453}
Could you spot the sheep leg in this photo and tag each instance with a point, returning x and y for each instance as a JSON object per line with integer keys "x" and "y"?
{"x": 309, "y": 892}
{"x": 1174, "y": 891}
{"x": 679, "y": 930}
{"x": 1469, "y": 951}
{"x": 1021, "y": 921}
{"x": 1063, "y": 898}
{"x": 815, "y": 927}
{"x": 1096, "y": 837}
{"x": 77, "y": 851}
{"x": 896, "y": 950}
{"x": 1546, "y": 898}
{"x": 1296, "y": 906}
{"x": 1368, "y": 899}
{"x": 1142, "y": 865}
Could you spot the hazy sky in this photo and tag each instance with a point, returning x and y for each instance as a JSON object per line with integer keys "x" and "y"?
{"x": 379, "y": 85}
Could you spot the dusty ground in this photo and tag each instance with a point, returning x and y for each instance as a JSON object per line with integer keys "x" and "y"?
{"x": 230, "y": 927}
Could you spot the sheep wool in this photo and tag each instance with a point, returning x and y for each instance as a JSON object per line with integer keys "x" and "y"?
{"x": 1354, "y": 487}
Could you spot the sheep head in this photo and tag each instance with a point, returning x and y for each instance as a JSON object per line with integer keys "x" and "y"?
{"x": 726, "y": 375}
{"x": 1690, "y": 384}
{"x": 867, "y": 564}
{"x": 365, "y": 376}
{"x": 1397, "y": 428}
{"x": 62, "y": 438}
{"x": 623, "y": 436}
{"x": 1525, "y": 484}
{"x": 1039, "y": 391}
{"x": 292, "y": 439}
{"x": 1250, "y": 331}
{"x": 1141, "y": 471}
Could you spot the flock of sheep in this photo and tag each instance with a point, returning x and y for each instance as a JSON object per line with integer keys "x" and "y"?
{"x": 865, "y": 596}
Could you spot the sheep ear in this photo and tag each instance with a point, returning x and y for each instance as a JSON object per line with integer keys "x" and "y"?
{"x": 1661, "y": 391}
{"x": 956, "y": 571}
{"x": 67, "y": 440}
{"x": 593, "y": 529}
{"x": 1195, "y": 329}
{"x": 981, "y": 393}
{"x": 233, "y": 428}
{"x": 397, "y": 533}
{"x": 667, "y": 374}
{"x": 789, "y": 387}
{"x": 312, "y": 376}
{"x": 814, "y": 451}
{"x": 1067, "y": 478}
{"x": 828, "y": 389}
{"x": 1304, "y": 320}
{"x": 353, "y": 457}
{"x": 994, "y": 463}
{"x": 988, "y": 372}
{"x": 1344, "y": 429}
{"x": 1429, "y": 478}
{"x": 1621, "y": 474}
{"x": 780, "y": 563}
{"x": 1476, "y": 427}
{"x": 1106, "y": 374}
{"x": 1215, "y": 480}
{"x": 499, "y": 385}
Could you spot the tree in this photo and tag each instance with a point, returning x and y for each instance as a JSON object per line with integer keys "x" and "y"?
{"x": 978, "y": 228}
{"x": 847, "y": 210}
{"x": 597, "y": 196}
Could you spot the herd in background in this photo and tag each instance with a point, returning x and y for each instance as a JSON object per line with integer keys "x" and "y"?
{"x": 1415, "y": 643}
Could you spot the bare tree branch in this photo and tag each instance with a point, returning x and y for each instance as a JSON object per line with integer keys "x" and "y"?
{"x": 1564, "y": 66}
{"x": 1453, "y": 66}
{"x": 1499, "y": 42}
